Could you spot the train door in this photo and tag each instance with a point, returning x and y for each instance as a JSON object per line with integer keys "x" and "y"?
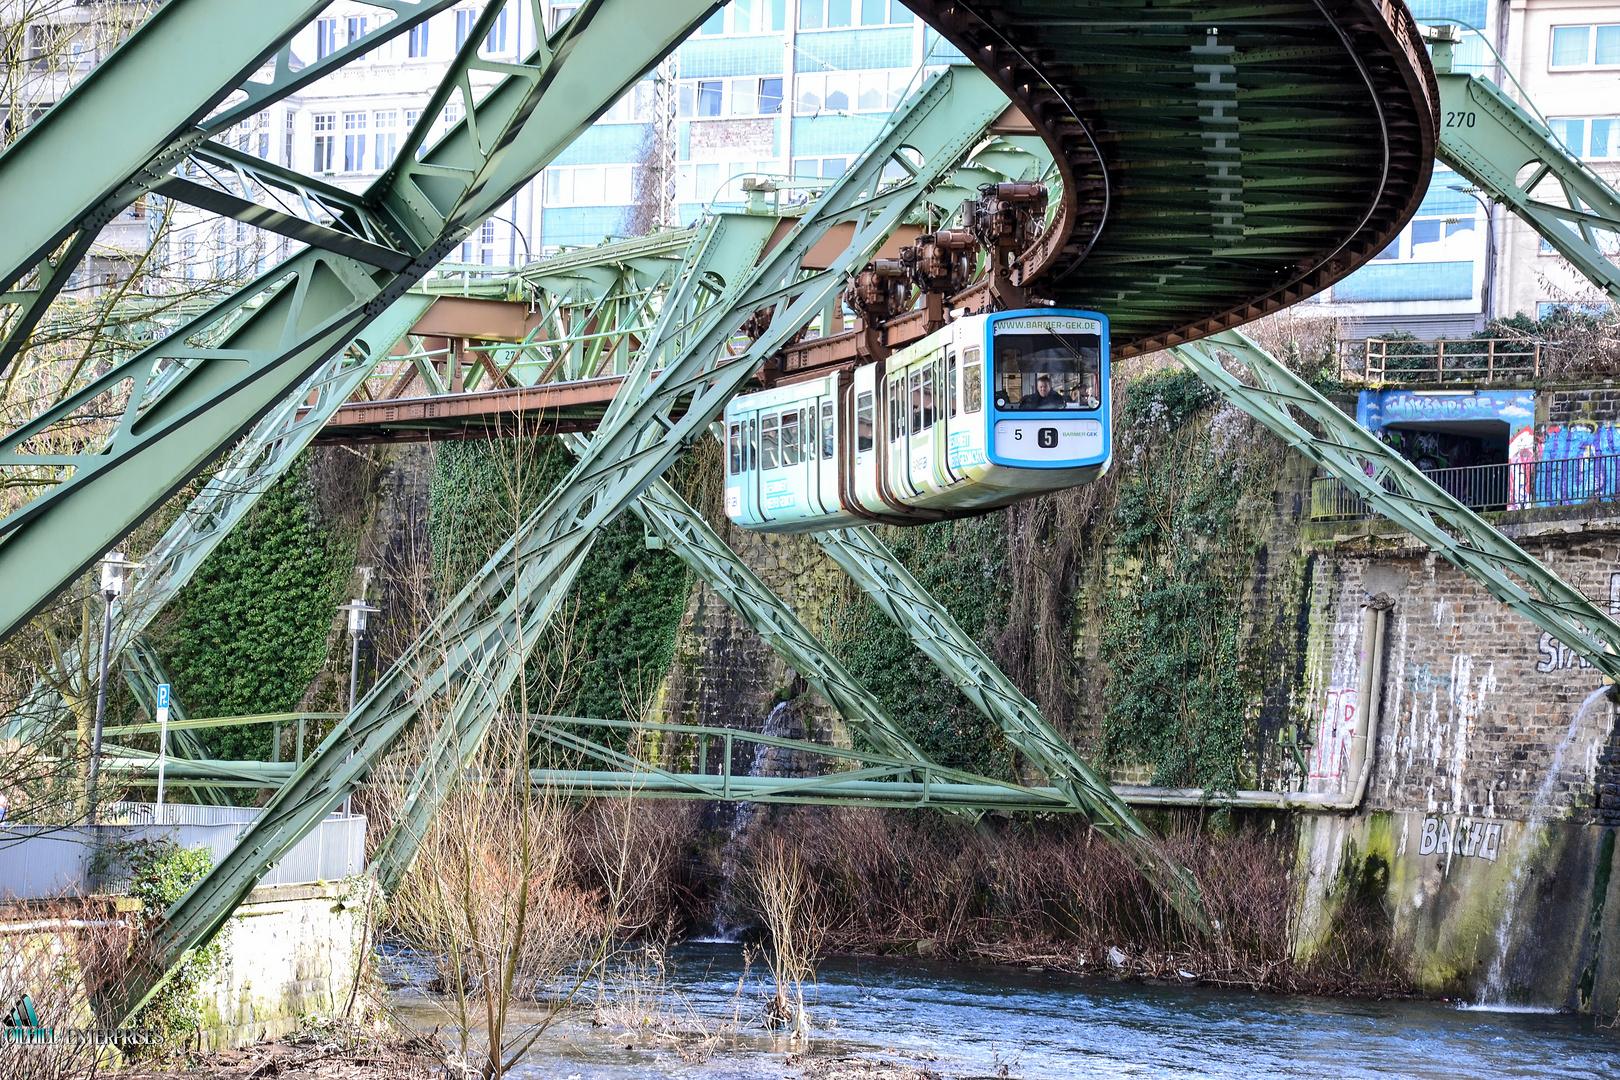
{"x": 869, "y": 441}
{"x": 826, "y": 470}
{"x": 898, "y": 472}
{"x": 742, "y": 468}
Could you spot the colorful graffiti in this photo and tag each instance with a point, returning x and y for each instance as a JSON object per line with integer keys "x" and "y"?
{"x": 1556, "y": 656}
{"x": 1375, "y": 409}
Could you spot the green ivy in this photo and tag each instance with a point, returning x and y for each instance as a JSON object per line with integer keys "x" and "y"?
{"x": 1172, "y": 615}
{"x": 961, "y": 563}
{"x": 627, "y": 600}
{"x": 158, "y": 872}
{"x": 249, "y": 633}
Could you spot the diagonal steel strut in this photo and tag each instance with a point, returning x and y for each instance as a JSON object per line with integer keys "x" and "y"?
{"x": 188, "y": 401}
{"x": 1396, "y": 489}
{"x": 473, "y": 651}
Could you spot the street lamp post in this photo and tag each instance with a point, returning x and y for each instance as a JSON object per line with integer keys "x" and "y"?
{"x": 358, "y": 609}
{"x": 1489, "y": 288}
{"x": 113, "y": 568}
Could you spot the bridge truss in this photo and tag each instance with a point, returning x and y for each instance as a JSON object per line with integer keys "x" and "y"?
{"x": 656, "y": 324}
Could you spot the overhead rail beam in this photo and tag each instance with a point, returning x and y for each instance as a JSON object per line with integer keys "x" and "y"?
{"x": 1396, "y": 489}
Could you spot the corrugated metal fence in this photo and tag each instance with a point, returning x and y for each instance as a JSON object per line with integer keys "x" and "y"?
{"x": 40, "y": 862}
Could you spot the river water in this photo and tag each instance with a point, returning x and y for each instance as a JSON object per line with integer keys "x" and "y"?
{"x": 972, "y": 1021}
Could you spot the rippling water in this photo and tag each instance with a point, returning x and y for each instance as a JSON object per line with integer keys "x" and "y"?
{"x": 972, "y": 1020}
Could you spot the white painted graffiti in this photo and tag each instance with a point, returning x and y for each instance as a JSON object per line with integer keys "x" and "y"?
{"x": 1556, "y": 656}
{"x": 1471, "y": 839}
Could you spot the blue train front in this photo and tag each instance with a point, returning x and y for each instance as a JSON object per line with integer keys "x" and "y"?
{"x": 985, "y": 412}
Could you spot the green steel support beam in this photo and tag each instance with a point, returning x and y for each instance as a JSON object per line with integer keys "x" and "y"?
{"x": 650, "y": 423}
{"x": 685, "y": 533}
{"x": 115, "y": 135}
{"x": 473, "y": 651}
{"x": 899, "y": 595}
{"x": 884, "y": 578}
{"x": 187, "y": 400}
{"x": 1394, "y": 487}
{"x": 250, "y": 469}
{"x": 1492, "y": 140}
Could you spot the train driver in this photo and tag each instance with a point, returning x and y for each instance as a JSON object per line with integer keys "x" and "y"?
{"x": 1043, "y": 396}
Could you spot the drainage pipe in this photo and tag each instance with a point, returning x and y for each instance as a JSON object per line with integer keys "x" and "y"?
{"x": 1363, "y": 743}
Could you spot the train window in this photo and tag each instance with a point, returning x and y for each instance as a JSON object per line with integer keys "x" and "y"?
{"x": 927, "y": 398}
{"x": 972, "y": 384}
{"x": 790, "y": 437}
{"x": 734, "y": 444}
{"x": 950, "y": 378}
{"x": 1047, "y": 369}
{"x": 826, "y": 431}
{"x": 767, "y": 442}
{"x": 751, "y": 446}
{"x": 897, "y": 409}
{"x": 916, "y": 400}
{"x": 863, "y": 423}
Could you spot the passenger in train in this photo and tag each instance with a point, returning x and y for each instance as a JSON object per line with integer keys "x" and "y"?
{"x": 1043, "y": 397}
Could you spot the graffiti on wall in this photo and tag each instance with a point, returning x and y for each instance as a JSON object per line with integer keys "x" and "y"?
{"x": 1333, "y": 732}
{"x": 1554, "y": 655}
{"x": 1469, "y": 838}
{"x": 1376, "y": 408}
{"x": 1576, "y": 463}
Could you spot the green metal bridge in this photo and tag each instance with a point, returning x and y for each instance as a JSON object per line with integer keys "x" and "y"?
{"x": 1208, "y": 162}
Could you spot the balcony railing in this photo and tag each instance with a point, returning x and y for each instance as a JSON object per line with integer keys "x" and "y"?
{"x": 1437, "y": 363}
{"x": 1519, "y": 485}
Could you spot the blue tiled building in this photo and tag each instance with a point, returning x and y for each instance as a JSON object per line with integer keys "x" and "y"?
{"x": 767, "y": 88}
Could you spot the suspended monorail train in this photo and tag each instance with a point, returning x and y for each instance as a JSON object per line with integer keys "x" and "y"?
{"x": 987, "y": 411}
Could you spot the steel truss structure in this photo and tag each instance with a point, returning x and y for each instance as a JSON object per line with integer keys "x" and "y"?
{"x": 140, "y": 122}
{"x": 466, "y": 662}
{"x": 1394, "y": 487}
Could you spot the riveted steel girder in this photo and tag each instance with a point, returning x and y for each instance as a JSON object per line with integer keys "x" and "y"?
{"x": 1395, "y": 488}
{"x": 187, "y": 401}
{"x": 1491, "y": 139}
{"x": 1163, "y": 119}
{"x": 470, "y": 656}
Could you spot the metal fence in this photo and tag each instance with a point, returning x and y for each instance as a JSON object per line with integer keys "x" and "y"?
{"x": 1520, "y": 485}
{"x": 1436, "y": 363}
{"x": 40, "y": 862}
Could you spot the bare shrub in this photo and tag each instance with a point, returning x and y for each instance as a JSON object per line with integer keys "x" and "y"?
{"x": 786, "y": 899}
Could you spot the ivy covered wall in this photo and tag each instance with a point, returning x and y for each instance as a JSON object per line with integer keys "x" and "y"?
{"x": 251, "y": 630}
{"x": 619, "y": 624}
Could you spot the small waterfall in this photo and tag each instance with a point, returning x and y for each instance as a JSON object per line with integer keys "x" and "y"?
{"x": 767, "y": 761}
{"x": 1493, "y": 993}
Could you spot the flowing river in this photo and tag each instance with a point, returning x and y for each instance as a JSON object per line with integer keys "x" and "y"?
{"x": 970, "y": 1021}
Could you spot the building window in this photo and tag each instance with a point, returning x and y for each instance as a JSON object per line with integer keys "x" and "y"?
{"x": 717, "y": 181}
{"x": 486, "y": 243}
{"x": 384, "y": 138}
{"x": 495, "y": 40}
{"x": 826, "y": 168}
{"x": 731, "y": 97}
{"x": 416, "y": 45}
{"x": 325, "y": 141}
{"x": 1585, "y": 46}
{"x": 758, "y": 16}
{"x": 835, "y": 14}
{"x": 1594, "y": 138}
{"x": 561, "y": 13}
{"x": 464, "y": 26}
{"x": 590, "y": 185}
{"x": 849, "y": 91}
{"x": 357, "y": 28}
{"x": 354, "y": 142}
{"x": 326, "y": 42}
{"x": 634, "y": 107}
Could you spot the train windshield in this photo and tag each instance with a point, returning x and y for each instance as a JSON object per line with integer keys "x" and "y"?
{"x": 1044, "y": 368}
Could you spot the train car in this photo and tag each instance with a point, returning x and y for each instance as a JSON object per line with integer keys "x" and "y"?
{"x": 987, "y": 411}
